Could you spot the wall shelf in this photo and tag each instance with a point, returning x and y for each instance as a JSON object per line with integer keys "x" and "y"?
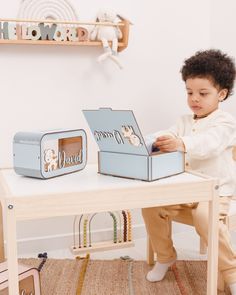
{"x": 122, "y": 44}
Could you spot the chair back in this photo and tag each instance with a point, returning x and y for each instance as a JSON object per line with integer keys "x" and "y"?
{"x": 234, "y": 153}
{"x": 234, "y": 158}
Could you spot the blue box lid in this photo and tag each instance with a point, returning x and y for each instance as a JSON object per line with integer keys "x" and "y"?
{"x": 116, "y": 131}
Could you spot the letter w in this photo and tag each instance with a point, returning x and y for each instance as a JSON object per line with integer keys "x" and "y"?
{"x": 47, "y": 32}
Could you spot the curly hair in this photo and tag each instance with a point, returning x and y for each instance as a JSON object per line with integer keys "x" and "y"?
{"x": 214, "y": 65}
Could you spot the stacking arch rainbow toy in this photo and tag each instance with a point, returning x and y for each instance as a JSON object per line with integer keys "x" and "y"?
{"x": 47, "y": 9}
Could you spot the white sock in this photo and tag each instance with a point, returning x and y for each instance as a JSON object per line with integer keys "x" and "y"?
{"x": 158, "y": 272}
{"x": 232, "y": 288}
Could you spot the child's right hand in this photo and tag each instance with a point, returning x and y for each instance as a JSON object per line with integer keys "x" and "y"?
{"x": 167, "y": 143}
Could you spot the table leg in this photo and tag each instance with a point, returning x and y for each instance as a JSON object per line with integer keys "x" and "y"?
{"x": 2, "y": 253}
{"x": 213, "y": 244}
{"x": 12, "y": 251}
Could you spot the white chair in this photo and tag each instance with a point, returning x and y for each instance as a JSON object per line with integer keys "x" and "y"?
{"x": 230, "y": 221}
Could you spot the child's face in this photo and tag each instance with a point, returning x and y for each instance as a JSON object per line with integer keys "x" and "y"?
{"x": 203, "y": 96}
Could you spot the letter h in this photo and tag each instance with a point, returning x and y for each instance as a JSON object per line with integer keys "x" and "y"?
{"x": 4, "y": 30}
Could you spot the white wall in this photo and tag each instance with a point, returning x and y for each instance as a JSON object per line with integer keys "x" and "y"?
{"x": 47, "y": 87}
{"x": 222, "y": 33}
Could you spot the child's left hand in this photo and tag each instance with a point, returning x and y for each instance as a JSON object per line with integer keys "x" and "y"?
{"x": 167, "y": 143}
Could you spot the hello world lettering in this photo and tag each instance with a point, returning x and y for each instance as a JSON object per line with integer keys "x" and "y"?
{"x": 41, "y": 31}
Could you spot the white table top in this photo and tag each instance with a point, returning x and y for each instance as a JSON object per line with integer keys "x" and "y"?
{"x": 84, "y": 180}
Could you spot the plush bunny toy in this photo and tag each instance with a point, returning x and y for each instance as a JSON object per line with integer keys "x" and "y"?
{"x": 108, "y": 33}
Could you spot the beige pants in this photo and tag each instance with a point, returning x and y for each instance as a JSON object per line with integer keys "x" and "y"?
{"x": 158, "y": 225}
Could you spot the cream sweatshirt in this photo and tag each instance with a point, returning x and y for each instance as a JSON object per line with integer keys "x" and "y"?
{"x": 208, "y": 144}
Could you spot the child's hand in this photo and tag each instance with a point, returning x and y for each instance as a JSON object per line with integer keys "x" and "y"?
{"x": 167, "y": 143}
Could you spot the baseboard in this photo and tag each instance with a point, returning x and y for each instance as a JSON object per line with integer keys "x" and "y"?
{"x": 65, "y": 241}
{"x": 55, "y": 242}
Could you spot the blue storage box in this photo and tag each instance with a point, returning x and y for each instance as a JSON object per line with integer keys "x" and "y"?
{"x": 123, "y": 151}
{"x": 49, "y": 153}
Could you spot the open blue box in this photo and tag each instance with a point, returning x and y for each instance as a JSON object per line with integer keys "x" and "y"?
{"x": 123, "y": 151}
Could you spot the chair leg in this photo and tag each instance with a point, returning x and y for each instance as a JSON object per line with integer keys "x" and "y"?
{"x": 220, "y": 282}
{"x": 203, "y": 246}
{"x": 150, "y": 252}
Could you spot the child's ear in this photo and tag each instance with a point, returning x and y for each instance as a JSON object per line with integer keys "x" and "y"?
{"x": 222, "y": 94}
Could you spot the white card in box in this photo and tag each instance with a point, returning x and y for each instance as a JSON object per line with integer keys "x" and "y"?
{"x": 123, "y": 151}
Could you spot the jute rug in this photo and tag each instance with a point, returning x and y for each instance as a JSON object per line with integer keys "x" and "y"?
{"x": 118, "y": 277}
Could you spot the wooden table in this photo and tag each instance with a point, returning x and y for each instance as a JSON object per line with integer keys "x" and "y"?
{"x": 87, "y": 192}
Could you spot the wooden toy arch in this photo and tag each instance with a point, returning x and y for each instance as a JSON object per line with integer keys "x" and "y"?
{"x": 85, "y": 222}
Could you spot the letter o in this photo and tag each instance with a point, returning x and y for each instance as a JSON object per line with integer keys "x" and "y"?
{"x": 34, "y": 33}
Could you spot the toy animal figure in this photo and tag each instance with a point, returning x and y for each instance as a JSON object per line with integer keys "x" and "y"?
{"x": 108, "y": 33}
{"x": 50, "y": 160}
{"x": 128, "y": 132}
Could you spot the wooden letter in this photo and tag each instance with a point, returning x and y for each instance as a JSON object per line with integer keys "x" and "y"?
{"x": 118, "y": 137}
{"x": 47, "y": 32}
{"x": 12, "y": 31}
{"x": 82, "y": 34}
{"x": 71, "y": 34}
{"x": 4, "y": 30}
{"x": 60, "y": 34}
{"x": 34, "y": 33}
{"x": 18, "y": 32}
{"x": 24, "y": 31}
